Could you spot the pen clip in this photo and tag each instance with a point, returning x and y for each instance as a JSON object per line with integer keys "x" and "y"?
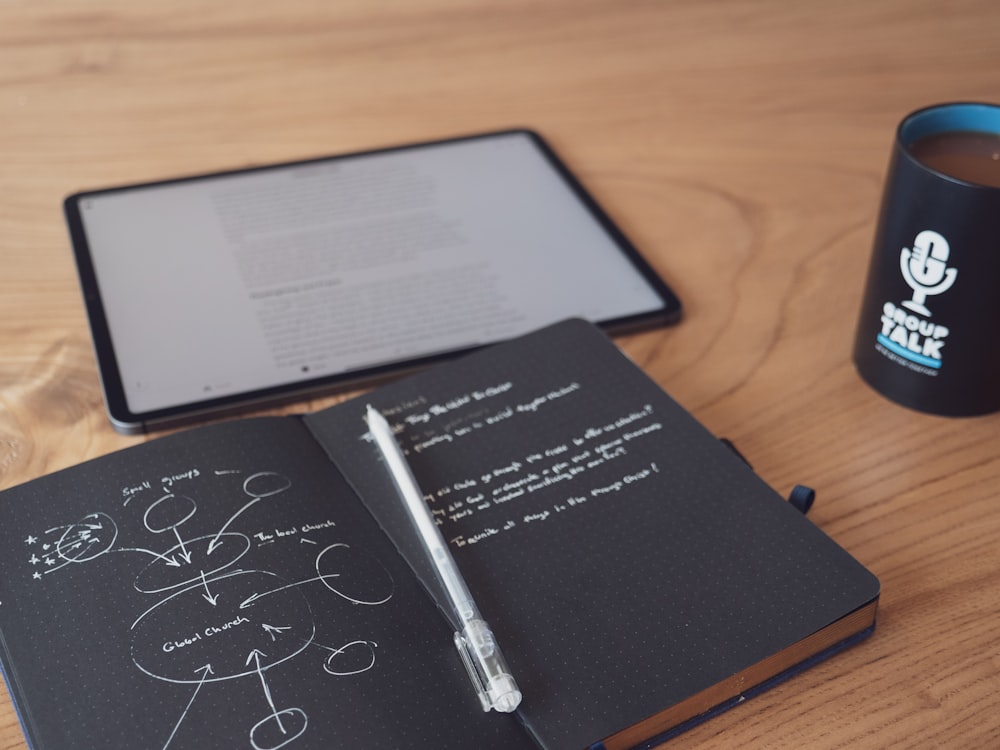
{"x": 465, "y": 651}
{"x": 487, "y": 668}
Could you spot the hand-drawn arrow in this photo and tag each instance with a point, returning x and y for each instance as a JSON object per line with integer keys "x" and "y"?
{"x": 257, "y": 497}
{"x": 254, "y": 656}
{"x": 254, "y": 597}
{"x": 70, "y": 526}
{"x": 273, "y": 630}
{"x": 184, "y": 551}
{"x": 206, "y": 671}
{"x": 167, "y": 559}
{"x": 97, "y": 525}
{"x": 209, "y": 597}
{"x": 215, "y": 543}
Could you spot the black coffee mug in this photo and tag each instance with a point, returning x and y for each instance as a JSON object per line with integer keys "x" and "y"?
{"x": 928, "y": 335}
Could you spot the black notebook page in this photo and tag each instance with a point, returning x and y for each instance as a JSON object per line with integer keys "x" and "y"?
{"x": 624, "y": 558}
{"x": 222, "y": 588}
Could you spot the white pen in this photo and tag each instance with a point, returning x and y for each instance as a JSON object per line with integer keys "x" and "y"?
{"x": 475, "y": 642}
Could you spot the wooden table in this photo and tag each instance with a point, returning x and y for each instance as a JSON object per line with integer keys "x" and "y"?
{"x": 741, "y": 145}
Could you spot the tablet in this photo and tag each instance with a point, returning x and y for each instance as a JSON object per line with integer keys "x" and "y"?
{"x": 221, "y": 291}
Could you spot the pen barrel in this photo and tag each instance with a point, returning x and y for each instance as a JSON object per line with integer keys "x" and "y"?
{"x": 461, "y": 600}
{"x": 474, "y": 640}
{"x": 420, "y": 516}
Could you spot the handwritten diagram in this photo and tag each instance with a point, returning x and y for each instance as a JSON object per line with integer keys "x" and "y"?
{"x": 214, "y": 616}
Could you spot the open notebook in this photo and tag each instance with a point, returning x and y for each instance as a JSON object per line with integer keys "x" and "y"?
{"x": 256, "y": 583}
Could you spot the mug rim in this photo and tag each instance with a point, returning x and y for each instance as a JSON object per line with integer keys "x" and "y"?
{"x": 980, "y": 117}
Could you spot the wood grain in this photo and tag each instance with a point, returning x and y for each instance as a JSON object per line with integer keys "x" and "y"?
{"x": 742, "y": 146}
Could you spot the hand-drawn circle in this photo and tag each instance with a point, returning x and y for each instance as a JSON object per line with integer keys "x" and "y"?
{"x": 90, "y": 537}
{"x": 265, "y": 484}
{"x": 173, "y": 507}
{"x": 288, "y": 726}
{"x": 258, "y": 621}
{"x": 350, "y": 659}
{"x": 354, "y": 575}
{"x": 185, "y": 563}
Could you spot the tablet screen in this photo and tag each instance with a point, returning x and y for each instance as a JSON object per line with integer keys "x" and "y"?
{"x": 206, "y": 291}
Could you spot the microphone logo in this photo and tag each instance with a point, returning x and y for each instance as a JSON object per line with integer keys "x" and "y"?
{"x": 925, "y": 269}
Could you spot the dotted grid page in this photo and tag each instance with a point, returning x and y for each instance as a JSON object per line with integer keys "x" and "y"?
{"x": 624, "y": 557}
{"x": 222, "y": 588}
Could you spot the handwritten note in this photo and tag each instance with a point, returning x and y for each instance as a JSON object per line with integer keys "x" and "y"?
{"x": 538, "y": 482}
